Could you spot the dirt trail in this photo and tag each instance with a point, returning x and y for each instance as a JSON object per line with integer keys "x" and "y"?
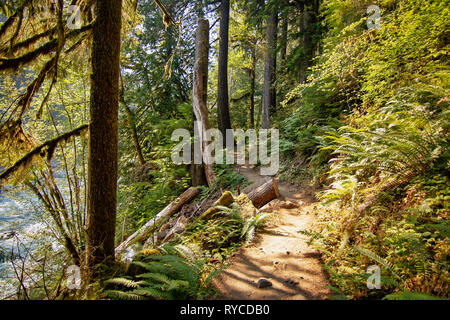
{"x": 279, "y": 254}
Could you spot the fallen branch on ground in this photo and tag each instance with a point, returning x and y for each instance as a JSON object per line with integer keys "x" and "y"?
{"x": 168, "y": 211}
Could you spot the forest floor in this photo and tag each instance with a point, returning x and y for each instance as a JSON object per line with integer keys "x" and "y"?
{"x": 279, "y": 253}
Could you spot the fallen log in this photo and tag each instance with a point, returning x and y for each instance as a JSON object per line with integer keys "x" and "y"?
{"x": 260, "y": 195}
{"x": 264, "y": 194}
{"x": 171, "y": 209}
{"x": 180, "y": 225}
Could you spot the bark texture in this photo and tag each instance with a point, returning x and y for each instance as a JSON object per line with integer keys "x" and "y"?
{"x": 264, "y": 194}
{"x": 200, "y": 92}
{"x": 269, "y": 93}
{"x": 308, "y": 17}
{"x": 103, "y": 133}
{"x": 284, "y": 38}
{"x": 252, "y": 88}
{"x": 197, "y": 171}
{"x": 223, "y": 110}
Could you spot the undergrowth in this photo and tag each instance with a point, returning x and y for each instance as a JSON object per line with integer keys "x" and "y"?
{"x": 385, "y": 153}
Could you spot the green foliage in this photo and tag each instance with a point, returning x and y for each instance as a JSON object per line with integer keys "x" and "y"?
{"x": 226, "y": 177}
{"x": 252, "y": 224}
{"x": 408, "y": 295}
{"x": 141, "y": 201}
{"x": 144, "y": 190}
{"x": 222, "y": 231}
{"x": 375, "y": 111}
{"x": 301, "y": 131}
{"x": 396, "y": 144}
{"x": 176, "y": 276}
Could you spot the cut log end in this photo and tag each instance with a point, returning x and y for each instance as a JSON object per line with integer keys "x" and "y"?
{"x": 264, "y": 194}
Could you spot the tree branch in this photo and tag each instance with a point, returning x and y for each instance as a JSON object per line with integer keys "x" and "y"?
{"x": 46, "y": 148}
{"x": 14, "y": 63}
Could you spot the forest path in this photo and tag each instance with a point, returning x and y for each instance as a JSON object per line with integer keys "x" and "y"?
{"x": 279, "y": 253}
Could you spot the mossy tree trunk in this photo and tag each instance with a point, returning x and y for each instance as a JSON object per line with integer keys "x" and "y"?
{"x": 103, "y": 134}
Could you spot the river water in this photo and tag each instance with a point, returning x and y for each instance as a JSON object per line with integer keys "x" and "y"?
{"x": 20, "y": 226}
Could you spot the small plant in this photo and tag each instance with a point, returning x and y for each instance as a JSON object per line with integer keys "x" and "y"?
{"x": 220, "y": 231}
{"x": 166, "y": 277}
{"x": 408, "y": 295}
{"x": 253, "y": 223}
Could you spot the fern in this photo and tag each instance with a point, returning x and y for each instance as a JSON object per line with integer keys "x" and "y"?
{"x": 123, "y": 295}
{"x": 153, "y": 292}
{"x": 190, "y": 252}
{"x": 250, "y": 226}
{"x": 408, "y": 295}
{"x": 167, "y": 277}
{"x": 387, "y": 264}
{"x": 123, "y": 282}
{"x": 158, "y": 277}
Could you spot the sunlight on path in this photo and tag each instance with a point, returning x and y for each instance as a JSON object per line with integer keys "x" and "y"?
{"x": 279, "y": 254}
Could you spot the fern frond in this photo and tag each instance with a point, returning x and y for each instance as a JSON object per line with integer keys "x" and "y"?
{"x": 189, "y": 252}
{"x": 186, "y": 272}
{"x": 160, "y": 277}
{"x": 123, "y": 282}
{"x": 177, "y": 285}
{"x": 121, "y": 295}
{"x": 155, "y": 266}
{"x": 408, "y": 295}
{"x": 152, "y": 292}
{"x": 212, "y": 275}
{"x": 387, "y": 264}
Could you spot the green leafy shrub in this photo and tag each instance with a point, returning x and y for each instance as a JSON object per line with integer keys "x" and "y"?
{"x": 386, "y": 200}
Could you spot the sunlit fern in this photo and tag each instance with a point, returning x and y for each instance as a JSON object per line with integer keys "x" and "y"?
{"x": 409, "y": 295}
{"x": 385, "y": 263}
{"x": 168, "y": 277}
{"x": 252, "y": 224}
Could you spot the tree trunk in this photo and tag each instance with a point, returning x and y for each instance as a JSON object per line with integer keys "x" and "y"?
{"x": 284, "y": 39}
{"x": 200, "y": 91}
{"x": 103, "y": 134}
{"x": 175, "y": 206}
{"x": 223, "y": 116}
{"x": 264, "y": 194}
{"x": 132, "y": 122}
{"x": 308, "y": 17}
{"x": 269, "y": 93}
{"x": 300, "y": 62}
{"x": 197, "y": 171}
{"x": 252, "y": 88}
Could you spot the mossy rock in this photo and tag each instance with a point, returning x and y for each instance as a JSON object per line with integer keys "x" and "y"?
{"x": 246, "y": 206}
{"x": 225, "y": 200}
